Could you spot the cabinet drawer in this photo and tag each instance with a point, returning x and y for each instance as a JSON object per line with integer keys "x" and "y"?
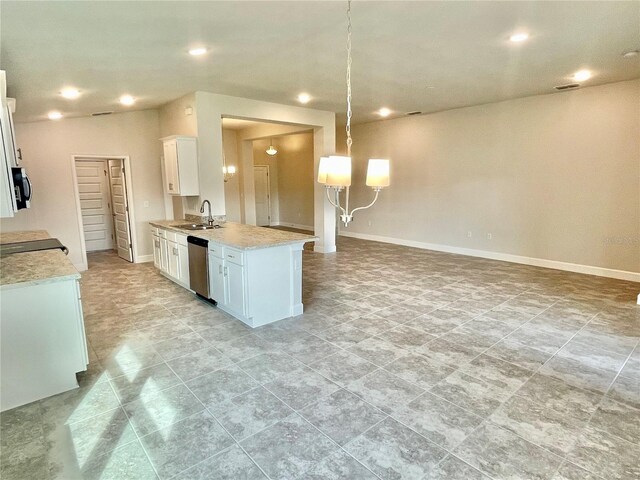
{"x": 154, "y": 231}
{"x": 181, "y": 239}
{"x": 171, "y": 236}
{"x": 216, "y": 250}
{"x": 234, "y": 256}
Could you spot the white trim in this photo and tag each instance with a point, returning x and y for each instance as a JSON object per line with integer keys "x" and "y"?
{"x": 322, "y": 249}
{"x": 505, "y": 257}
{"x": 144, "y": 258}
{"x": 293, "y": 225}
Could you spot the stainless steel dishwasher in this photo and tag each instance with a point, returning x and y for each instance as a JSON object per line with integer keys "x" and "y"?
{"x": 199, "y": 266}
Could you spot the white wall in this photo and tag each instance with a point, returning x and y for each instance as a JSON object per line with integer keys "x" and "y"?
{"x": 232, "y": 187}
{"x": 552, "y": 177}
{"x": 47, "y": 148}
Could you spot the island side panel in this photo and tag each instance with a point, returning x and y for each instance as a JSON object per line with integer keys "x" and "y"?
{"x": 269, "y": 284}
{"x": 295, "y": 271}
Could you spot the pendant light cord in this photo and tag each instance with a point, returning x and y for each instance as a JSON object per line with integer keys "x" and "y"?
{"x": 348, "y": 127}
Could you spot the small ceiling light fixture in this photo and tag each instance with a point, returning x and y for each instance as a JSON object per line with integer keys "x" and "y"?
{"x": 384, "y": 112}
{"x": 519, "y": 37}
{"x": 196, "y": 52}
{"x": 582, "y": 75}
{"x": 304, "y": 98}
{"x": 70, "y": 93}
{"x": 271, "y": 150}
{"x": 55, "y": 115}
{"x": 335, "y": 171}
{"x": 127, "y": 100}
{"x": 631, "y": 54}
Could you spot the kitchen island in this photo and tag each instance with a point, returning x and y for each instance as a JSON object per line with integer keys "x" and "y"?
{"x": 42, "y": 337}
{"x": 253, "y": 273}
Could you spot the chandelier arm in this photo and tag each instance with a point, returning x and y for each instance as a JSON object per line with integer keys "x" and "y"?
{"x": 337, "y": 198}
{"x": 370, "y": 205}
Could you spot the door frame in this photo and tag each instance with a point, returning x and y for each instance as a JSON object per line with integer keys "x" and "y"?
{"x": 268, "y": 188}
{"x": 129, "y": 190}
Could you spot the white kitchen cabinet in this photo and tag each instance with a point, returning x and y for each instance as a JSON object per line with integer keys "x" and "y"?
{"x": 171, "y": 255}
{"x": 235, "y": 288}
{"x": 217, "y": 282}
{"x": 181, "y": 165}
{"x": 8, "y": 155}
{"x": 43, "y": 341}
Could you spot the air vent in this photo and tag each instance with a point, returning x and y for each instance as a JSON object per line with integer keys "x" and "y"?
{"x": 568, "y": 86}
{"x": 98, "y": 114}
{"x": 414, "y": 113}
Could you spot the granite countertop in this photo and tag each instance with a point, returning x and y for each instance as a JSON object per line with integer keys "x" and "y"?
{"x": 32, "y": 268}
{"x": 238, "y": 235}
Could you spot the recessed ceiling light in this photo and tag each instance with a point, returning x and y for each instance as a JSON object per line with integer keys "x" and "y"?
{"x": 304, "y": 98}
{"x": 70, "y": 93}
{"x": 384, "y": 112}
{"x": 127, "y": 100}
{"x": 54, "y": 115}
{"x": 582, "y": 75}
{"x": 196, "y": 52}
{"x": 519, "y": 37}
{"x": 631, "y": 54}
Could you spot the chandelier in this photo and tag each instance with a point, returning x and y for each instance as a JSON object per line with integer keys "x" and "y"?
{"x": 335, "y": 171}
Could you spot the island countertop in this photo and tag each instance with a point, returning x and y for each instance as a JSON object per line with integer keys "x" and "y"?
{"x": 31, "y": 268}
{"x": 238, "y": 235}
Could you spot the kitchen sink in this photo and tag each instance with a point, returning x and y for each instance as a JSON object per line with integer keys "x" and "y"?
{"x": 198, "y": 226}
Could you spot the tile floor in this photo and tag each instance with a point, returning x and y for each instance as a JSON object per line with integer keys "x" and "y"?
{"x": 407, "y": 364}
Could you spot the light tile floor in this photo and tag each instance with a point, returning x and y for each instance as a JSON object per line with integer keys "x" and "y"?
{"x": 407, "y": 364}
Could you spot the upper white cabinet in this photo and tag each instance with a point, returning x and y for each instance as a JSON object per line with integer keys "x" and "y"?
{"x": 181, "y": 165}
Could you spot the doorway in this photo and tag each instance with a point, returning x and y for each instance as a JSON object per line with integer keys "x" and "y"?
{"x": 262, "y": 195}
{"x": 103, "y": 193}
{"x": 95, "y": 204}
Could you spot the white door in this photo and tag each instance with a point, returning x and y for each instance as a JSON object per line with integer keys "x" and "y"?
{"x": 120, "y": 209}
{"x": 95, "y": 204}
{"x": 263, "y": 194}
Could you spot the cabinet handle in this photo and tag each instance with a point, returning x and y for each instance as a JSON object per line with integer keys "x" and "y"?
{"x": 157, "y": 243}
{"x": 220, "y": 269}
{"x": 231, "y": 256}
{"x": 226, "y": 270}
{"x": 171, "y": 186}
{"x": 175, "y": 251}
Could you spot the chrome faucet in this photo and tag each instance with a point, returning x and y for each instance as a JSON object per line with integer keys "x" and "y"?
{"x": 209, "y": 216}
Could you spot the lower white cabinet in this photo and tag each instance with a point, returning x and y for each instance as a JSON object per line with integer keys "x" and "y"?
{"x": 226, "y": 283}
{"x": 171, "y": 255}
{"x": 217, "y": 279}
{"x": 43, "y": 341}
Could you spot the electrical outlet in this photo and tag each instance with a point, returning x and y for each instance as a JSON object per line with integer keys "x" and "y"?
{"x": 469, "y": 235}
{"x": 489, "y": 236}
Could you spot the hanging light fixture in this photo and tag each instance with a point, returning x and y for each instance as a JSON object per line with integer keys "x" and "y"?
{"x": 335, "y": 171}
{"x": 271, "y": 150}
{"x": 229, "y": 171}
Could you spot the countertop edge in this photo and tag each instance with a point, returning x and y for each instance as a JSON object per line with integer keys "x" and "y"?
{"x": 40, "y": 281}
{"x": 194, "y": 233}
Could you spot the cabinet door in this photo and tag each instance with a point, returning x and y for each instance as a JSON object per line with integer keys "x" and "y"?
{"x": 174, "y": 260}
{"x": 183, "y": 256}
{"x": 235, "y": 287}
{"x": 171, "y": 167}
{"x": 157, "y": 256}
{"x": 164, "y": 255}
{"x": 217, "y": 290}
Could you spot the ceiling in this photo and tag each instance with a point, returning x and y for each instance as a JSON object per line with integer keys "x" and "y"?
{"x": 272, "y": 51}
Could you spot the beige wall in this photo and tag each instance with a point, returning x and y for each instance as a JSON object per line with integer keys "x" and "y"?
{"x": 47, "y": 148}
{"x": 232, "y": 187}
{"x": 552, "y": 177}
{"x": 296, "y": 179}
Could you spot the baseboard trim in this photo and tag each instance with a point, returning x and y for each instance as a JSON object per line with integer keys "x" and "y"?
{"x": 505, "y": 257}
{"x": 323, "y": 249}
{"x": 144, "y": 258}
{"x": 293, "y": 225}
